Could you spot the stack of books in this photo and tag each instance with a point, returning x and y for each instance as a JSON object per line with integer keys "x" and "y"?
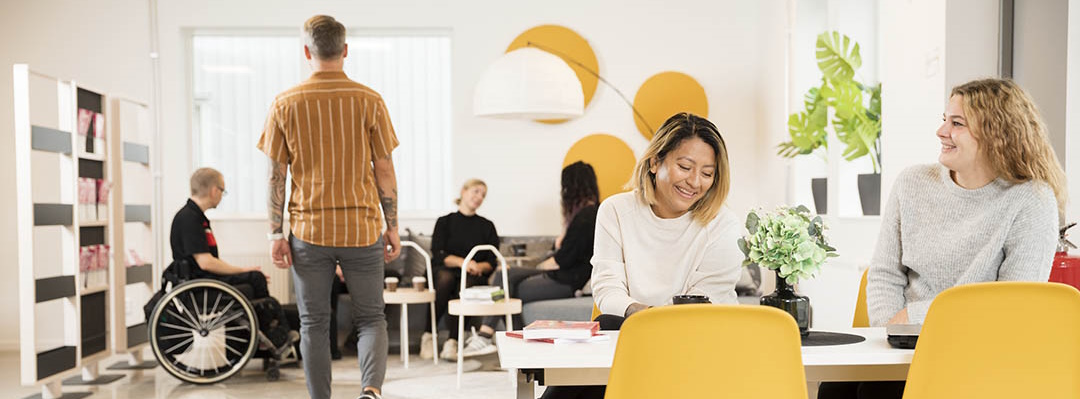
{"x": 483, "y": 294}
{"x": 560, "y": 332}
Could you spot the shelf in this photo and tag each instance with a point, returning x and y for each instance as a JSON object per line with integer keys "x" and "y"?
{"x": 47, "y": 289}
{"x": 138, "y": 153}
{"x": 52, "y": 215}
{"x": 85, "y": 156}
{"x": 50, "y": 140}
{"x": 140, "y": 274}
{"x": 137, "y": 213}
{"x": 94, "y": 223}
{"x": 94, "y": 290}
{"x": 55, "y": 361}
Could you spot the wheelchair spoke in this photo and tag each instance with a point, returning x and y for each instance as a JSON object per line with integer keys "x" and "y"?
{"x": 237, "y": 339}
{"x": 216, "y": 300}
{"x": 224, "y": 320}
{"x": 181, "y": 318}
{"x": 182, "y": 343}
{"x": 187, "y": 331}
{"x": 189, "y": 313}
{"x": 195, "y": 305}
{"x": 230, "y": 349}
{"x": 204, "y": 293}
{"x": 235, "y": 328}
{"x": 175, "y": 336}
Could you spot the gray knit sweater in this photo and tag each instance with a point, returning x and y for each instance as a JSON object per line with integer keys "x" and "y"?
{"x": 936, "y": 234}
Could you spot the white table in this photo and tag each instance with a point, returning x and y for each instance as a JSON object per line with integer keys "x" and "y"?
{"x": 589, "y": 364}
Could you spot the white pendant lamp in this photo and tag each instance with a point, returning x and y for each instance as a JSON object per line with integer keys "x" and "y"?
{"x": 529, "y": 83}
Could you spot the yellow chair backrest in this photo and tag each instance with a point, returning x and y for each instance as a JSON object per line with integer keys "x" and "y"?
{"x": 862, "y": 316}
{"x": 707, "y": 351}
{"x": 999, "y": 340}
{"x": 595, "y": 312}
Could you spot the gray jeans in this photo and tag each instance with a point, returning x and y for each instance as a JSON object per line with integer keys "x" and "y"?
{"x": 313, "y": 274}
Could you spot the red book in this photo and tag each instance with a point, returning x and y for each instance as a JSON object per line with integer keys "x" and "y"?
{"x": 553, "y": 329}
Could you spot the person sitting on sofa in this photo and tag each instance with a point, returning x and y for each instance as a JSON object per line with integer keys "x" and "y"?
{"x": 455, "y": 235}
{"x": 671, "y": 235}
{"x": 988, "y": 210}
{"x": 561, "y": 275}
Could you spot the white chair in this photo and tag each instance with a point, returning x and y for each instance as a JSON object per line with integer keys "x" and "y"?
{"x": 407, "y": 296}
{"x": 508, "y": 306}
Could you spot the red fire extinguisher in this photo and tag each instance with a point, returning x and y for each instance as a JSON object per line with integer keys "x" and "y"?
{"x": 1066, "y": 268}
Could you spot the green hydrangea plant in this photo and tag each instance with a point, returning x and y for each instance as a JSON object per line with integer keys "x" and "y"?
{"x": 787, "y": 240}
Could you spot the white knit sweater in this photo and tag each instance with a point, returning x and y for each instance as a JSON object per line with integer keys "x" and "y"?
{"x": 639, "y": 257}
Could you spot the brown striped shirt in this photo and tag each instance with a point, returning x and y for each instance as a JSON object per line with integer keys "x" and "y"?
{"x": 329, "y": 129}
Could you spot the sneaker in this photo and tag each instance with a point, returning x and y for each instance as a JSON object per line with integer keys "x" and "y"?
{"x": 369, "y": 394}
{"x": 449, "y": 350}
{"x": 478, "y": 345}
{"x": 426, "y": 351}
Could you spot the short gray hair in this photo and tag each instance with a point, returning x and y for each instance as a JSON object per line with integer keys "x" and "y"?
{"x": 203, "y": 179}
{"x": 324, "y": 37}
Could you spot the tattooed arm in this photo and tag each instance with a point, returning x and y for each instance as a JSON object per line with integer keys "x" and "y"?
{"x": 386, "y": 183}
{"x": 280, "y": 252}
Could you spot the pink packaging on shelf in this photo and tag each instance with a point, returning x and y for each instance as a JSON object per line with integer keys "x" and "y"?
{"x": 103, "y": 187}
{"x": 103, "y": 257}
{"x": 86, "y": 117}
{"x": 99, "y": 126}
{"x": 84, "y": 258}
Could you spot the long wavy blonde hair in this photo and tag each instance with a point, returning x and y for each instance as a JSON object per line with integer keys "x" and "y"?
{"x": 674, "y": 131}
{"x": 1011, "y": 134}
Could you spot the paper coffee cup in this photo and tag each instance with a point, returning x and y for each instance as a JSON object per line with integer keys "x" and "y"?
{"x": 419, "y": 283}
{"x": 391, "y": 283}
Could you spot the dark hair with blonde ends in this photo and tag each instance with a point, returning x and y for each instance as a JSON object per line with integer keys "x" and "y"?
{"x": 1011, "y": 134}
{"x": 674, "y": 131}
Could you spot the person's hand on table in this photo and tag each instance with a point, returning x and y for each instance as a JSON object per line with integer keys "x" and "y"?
{"x": 899, "y": 318}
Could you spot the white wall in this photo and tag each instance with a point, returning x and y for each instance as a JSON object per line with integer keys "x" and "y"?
{"x": 1039, "y": 60}
{"x": 733, "y": 48}
{"x": 1072, "y": 104}
{"x": 102, "y": 45}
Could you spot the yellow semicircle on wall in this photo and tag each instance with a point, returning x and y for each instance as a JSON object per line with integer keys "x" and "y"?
{"x": 609, "y": 156}
{"x": 666, "y": 94}
{"x": 570, "y": 44}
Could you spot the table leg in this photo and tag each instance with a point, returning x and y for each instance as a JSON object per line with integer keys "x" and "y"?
{"x": 434, "y": 336}
{"x": 405, "y": 334}
{"x": 525, "y": 389}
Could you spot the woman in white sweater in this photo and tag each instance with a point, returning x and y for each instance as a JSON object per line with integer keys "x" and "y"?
{"x": 989, "y": 210}
{"x": 671, "y": 235}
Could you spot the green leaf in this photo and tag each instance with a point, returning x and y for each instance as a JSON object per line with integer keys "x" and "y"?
{"x": 752, "y": 222}
{"x": 845, "y": 97}
{"x": 802, "y": 209}
{"x": 742, "y": 247}
{"x": 837, "y": 56}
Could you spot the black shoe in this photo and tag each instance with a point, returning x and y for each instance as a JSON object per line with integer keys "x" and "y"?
{"x": 335, "y": 354}
{"x": 369, "y": 394}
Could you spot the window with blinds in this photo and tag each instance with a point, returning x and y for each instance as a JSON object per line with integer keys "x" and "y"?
{"x": 236, "y": 76}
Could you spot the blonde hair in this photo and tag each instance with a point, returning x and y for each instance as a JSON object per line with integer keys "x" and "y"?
{"x": 203, "y": 179}
{"x": 470, "y": 184}
{"x": 324, "y": 37}
{"x": 678, "y": 128}
{"x": 1011, "y": 134}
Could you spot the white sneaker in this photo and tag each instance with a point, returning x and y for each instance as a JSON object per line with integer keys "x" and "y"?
{"x": 426, "y": 351}
{"x": 477, "y": 345}
{"x": 449, "y": 350}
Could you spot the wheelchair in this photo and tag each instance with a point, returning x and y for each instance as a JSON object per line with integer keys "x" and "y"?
{"x": 204, "y": 331}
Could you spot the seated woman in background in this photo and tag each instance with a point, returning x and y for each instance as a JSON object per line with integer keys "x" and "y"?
{"x": 455, "y": 235}
{"x": 989, "y": 211}
{"x": 559, "y": 276}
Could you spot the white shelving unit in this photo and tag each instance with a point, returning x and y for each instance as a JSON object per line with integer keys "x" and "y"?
{"x": 136, "y": 277}
{"x": 63, "y": 313}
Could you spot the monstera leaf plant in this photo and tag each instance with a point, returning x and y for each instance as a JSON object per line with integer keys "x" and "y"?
{"x": 855, "y": 105}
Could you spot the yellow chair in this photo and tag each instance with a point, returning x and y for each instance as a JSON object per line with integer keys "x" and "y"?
{"x": 862, "y": 316}
{"x": 708, "y": 351}
{"x": 595, "y": 312}
{"x": 999, "y": 340}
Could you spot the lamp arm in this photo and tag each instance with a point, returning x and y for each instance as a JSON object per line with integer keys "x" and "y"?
{"x": 569, "y": 59}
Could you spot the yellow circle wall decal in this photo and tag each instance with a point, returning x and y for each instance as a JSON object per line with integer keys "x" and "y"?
{"x": 666, "y": 94}
{"x": 609, "y": 156}
{"x": 569, "y": 46}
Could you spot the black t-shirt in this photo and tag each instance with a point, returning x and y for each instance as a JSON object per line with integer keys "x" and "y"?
{"x": 191, "y": 233}
{"x": 575, "y": 255}
{"x": 457, "y": 234}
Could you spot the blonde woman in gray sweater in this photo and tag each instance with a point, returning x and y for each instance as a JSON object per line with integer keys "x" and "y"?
{"x": 988, "y": 212}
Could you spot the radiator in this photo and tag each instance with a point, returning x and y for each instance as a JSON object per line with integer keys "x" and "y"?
{"x": 280, "y": 286}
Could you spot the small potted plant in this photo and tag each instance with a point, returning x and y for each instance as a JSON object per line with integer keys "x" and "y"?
{"x": 792, "y": 243}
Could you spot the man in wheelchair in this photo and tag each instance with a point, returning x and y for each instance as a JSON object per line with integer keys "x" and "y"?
{"x": 195, "y": 256}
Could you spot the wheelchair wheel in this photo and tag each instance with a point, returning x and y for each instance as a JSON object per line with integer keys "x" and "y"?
{"x": 203, "y": 331}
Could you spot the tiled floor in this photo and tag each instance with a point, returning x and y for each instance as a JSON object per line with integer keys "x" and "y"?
{"x": 421, "y": 380}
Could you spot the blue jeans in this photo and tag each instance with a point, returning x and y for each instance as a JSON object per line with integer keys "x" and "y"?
{"x": 313, "y": 274}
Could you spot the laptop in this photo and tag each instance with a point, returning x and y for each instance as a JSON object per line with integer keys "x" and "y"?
{"x": 903, "y": 336}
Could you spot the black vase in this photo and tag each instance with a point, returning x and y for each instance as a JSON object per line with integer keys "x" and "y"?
{"x": 819, "y": 186}
{"x": 784, "y": 298}
{"x": 870, "y": 193}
